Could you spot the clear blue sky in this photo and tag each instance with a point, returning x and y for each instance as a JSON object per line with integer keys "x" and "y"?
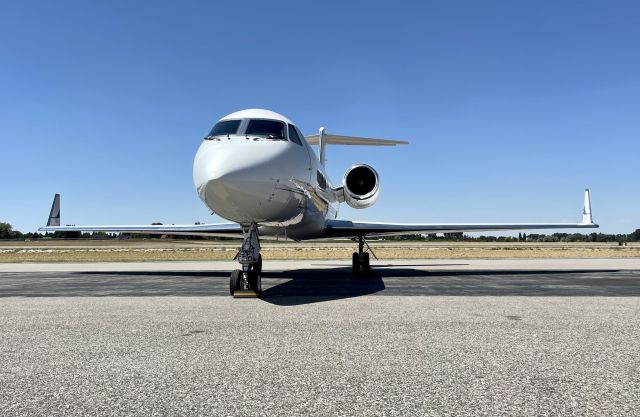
{"x": 512, "y": 108}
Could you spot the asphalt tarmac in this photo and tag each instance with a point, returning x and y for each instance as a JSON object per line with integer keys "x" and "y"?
{"x": 416, "y": 338}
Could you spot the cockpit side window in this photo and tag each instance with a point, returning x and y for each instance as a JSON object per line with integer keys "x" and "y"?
{"x": 225, "y": 127}
{"x": 271, "y": 129}
{"x": 293, "y": 135}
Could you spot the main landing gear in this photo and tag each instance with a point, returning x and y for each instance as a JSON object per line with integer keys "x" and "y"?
{"x": 247, "y": 282}
{"x": 360, "y": 260}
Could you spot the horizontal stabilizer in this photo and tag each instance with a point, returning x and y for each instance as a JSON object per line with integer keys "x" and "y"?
{"x": 352, "y": 140}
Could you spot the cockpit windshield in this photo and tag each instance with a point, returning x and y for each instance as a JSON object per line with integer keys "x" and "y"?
{"x": 272, "y": 129}
{"x": 225, "y": 127}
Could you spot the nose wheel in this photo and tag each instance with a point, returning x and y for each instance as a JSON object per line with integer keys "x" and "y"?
{"x": 247, "y": 282}
{"x": 255, "y": 276}
{"x": 242, "y": 284}
{"x": 235, "y": 281}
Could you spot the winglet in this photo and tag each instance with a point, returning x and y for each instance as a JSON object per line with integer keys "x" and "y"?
{"x": 586, "y": 212}
{"x": 54, "y": 215}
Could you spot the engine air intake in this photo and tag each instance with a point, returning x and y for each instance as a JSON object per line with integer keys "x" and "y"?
{"x": 361, "y": 186}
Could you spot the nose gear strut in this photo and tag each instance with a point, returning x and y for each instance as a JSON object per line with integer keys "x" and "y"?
{"x": 248, "y": 282}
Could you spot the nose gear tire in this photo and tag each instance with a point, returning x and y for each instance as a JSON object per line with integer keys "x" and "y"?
{"x": 235, "y": 281}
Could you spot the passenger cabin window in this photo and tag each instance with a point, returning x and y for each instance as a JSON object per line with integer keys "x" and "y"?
{"x": 293, "y": 135}
{"x": 224, "y": 128}
{"x": 271, "y": 129}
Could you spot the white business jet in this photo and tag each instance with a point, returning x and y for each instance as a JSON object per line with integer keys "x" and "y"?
{"x": 257, "y": 170}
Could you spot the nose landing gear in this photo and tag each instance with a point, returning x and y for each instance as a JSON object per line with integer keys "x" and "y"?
{"x": 247, "y": 283}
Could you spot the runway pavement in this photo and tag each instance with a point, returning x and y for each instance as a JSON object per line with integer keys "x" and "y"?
{"x": 429, "y": 337}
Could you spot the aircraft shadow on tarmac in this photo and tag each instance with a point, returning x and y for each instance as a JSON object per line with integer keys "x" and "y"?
{"x": 308, "y": 285}
{"x": 304, "y": 286}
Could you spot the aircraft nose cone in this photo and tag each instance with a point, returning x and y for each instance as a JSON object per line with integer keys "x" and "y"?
{"x": 215, "y": 164}
{"x": 228, "y": 197}
{"x": 241, "y": 182}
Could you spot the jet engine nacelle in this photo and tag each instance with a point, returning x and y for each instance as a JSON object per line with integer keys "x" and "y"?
{"x": 361, "y": 186}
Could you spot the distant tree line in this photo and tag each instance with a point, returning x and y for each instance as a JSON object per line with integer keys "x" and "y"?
{"x": 524, "y": 237}
{"x": 7, "y": 232}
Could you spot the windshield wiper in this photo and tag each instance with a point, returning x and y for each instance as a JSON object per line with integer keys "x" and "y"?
{"x": 215, "y": 137}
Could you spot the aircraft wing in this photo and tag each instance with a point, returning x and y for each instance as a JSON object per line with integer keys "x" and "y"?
{"x": 219, "y": 229}
{"x": 348, "y": 228}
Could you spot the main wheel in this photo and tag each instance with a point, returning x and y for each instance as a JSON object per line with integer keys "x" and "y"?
{"x": 360, "y": 266}
{"x": 235, "y": 280}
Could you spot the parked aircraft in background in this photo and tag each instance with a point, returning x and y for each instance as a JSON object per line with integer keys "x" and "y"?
{"x": 257, "y": 170}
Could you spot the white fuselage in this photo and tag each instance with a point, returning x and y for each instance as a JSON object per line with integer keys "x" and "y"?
{"x": 272, "y": 183}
